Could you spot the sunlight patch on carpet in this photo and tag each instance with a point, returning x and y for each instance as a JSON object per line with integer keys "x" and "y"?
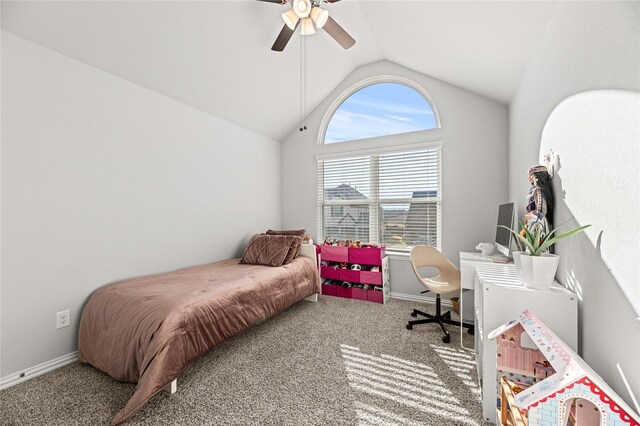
{"x": 373, "y": 415}
{"x": 405, "y": 382}
{"x": 462, "y": 364}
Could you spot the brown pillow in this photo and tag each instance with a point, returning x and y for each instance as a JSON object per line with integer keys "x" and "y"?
{"x": 295, "y": 248}
{"x": 269, "y": 250}
{"x": 296, "y": 232}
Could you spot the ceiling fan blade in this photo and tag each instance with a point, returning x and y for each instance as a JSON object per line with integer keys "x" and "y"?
{"x": 338, "y": 33}
{"x": 283, "y": 38}
{"x": 274, "y": 1}
{"x": 332, "y": 1}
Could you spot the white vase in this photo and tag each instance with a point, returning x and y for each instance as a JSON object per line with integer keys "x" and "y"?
{"x": 518, "y": 263}
{"x": 538, "y": 271}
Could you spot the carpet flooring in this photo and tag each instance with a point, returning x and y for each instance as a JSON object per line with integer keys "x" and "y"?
{"x": 335, "y": 362}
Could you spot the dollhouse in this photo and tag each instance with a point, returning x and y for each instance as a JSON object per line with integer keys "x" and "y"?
{"x": 542, "y": 382}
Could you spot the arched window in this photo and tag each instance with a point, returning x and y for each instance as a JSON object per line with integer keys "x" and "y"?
{"x": 388, "y": 193}
{"x": 380, "y": 109}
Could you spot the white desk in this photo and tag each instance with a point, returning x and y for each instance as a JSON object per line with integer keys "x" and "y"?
{"x": 468, "y": 262}
{"x": 499, "y": 297}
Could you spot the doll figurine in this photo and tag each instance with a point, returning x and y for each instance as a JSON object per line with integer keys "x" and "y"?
{"x": 539, "y": 210}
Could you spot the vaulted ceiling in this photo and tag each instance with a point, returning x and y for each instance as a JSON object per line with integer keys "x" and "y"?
{"x": 215, "y": 55}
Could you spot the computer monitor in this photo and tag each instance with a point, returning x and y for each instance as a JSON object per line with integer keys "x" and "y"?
{"x": 503, "y": 236}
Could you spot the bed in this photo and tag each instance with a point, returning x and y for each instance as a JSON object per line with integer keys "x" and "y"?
{"x": 147, "y": 330}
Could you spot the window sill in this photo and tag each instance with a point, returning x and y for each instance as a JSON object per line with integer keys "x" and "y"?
{"x": 399, "y": 255}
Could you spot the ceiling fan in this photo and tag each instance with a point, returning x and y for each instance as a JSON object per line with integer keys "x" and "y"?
{"x": 303, "y": 14}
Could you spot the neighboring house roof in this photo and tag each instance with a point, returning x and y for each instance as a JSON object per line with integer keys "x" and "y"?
{"x": 570, "y": 369}
{"x": 419, "y": 215}
{"x": 424, "y": 194}
{"x": 343, "y": 192}
{"x": 347, "y": 216}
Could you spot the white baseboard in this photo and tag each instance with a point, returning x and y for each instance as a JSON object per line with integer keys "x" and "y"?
{"x": 31, "y": 372}
{"x": 424, "y": 299}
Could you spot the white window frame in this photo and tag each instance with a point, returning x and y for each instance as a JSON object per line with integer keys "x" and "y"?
{"x": 375, "y": 201}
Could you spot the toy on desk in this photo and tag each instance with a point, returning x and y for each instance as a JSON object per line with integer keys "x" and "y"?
{"x": 356, "y": 267}
{"x": 486, "y": 248}
{"x": 569, "y": 393}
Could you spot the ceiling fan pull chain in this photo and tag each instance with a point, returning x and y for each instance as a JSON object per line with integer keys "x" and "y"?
{"x": 301, "y": 84}
{"x": 305, "y": 83}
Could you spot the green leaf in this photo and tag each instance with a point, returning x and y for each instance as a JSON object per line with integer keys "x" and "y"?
{"x": 546, "y": 237}
{"x": 520, "y": 237}
{"x": 535, "y": 243}
{"x": 560, "y": 237}
{"x": 529, "y": 234}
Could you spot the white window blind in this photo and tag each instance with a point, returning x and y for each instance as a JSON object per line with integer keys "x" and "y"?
{"x": 393, "y": 198}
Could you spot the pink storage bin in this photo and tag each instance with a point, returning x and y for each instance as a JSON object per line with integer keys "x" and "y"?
{"x": 368, "y": 277}
{"x": 375, "y": 296}
{"x": 334, "y": 253}
{"x": 329, "y": 272}
{"x": 349, "y": 275}
{"x": 329, "y": 290}
{"x": 358, "y": 293}
{"x": 366, "y": 256}
{"x": 343, "y": 292}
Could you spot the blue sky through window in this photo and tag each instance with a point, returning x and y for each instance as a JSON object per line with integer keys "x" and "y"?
{"x": 379, "y": 110}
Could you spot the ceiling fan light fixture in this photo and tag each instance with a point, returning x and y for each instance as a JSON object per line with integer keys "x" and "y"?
{"x": 290, "y": 18}
{"x": 302, "y": 8}
{"x": 306, "y": 27}
{"x": 319, "y": 16}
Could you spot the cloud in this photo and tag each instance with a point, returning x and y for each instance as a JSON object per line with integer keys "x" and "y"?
{"x": 389, "y": 106}
{"x": 350, "y": 125}
{"x": 399, "y": 118}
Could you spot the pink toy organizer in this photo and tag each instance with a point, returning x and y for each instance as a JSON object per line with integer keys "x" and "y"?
{"x": 366, "y": 258}
{"x": 334, "y": 253}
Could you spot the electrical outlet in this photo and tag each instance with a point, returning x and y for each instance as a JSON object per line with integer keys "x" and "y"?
{"x": 63, "y": 319}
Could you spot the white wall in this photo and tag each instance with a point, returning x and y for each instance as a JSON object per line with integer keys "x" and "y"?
{"x": 590, "y": 46}
{"x": 103, "y": 180}
{"x": 474, "y": 157}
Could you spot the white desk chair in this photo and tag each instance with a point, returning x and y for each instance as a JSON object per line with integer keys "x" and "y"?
{"x": 447, "y": 282}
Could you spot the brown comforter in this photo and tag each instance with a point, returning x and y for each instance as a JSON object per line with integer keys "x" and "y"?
{"x": 146, "y": 330}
